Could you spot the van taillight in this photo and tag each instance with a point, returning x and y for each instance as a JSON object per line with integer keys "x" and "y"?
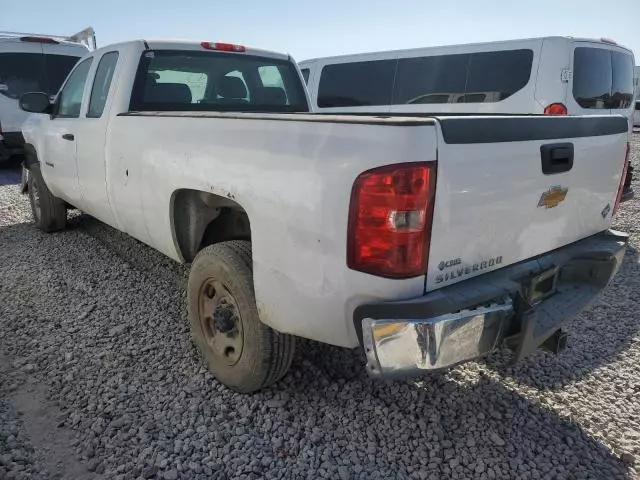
{"x": 622, "y": 179}
{"x": 556, "y": 109}
{"x": 390, "y": 219}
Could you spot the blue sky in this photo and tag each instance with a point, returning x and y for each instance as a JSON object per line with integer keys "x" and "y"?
{"x": 330, "y": 27}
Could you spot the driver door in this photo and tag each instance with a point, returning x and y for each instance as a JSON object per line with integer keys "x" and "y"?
{"x": 59, "y": 163}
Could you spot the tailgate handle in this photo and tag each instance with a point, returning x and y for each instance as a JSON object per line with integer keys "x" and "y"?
{"x": 556, "y": 158}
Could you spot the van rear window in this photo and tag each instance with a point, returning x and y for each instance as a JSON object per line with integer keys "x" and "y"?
{"x": 602, "y": 78}
{"x": 33, "y": 72}
{"x": 185, "y": 80}
{"x": 481, "y": 77}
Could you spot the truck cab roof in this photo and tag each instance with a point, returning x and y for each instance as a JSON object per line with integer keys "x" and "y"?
{"x": 177, "y": 44}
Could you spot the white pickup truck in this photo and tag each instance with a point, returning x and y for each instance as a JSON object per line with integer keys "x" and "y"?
{"x": 426, "y": 241}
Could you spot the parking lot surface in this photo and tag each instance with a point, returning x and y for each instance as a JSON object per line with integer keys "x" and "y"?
{"x": 99, "y": 379}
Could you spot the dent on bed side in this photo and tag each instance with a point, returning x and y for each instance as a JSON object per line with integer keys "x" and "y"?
{"x": 200, "y": 218}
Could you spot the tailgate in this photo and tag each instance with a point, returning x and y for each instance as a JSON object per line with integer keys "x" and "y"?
{"x": 512, "y": 188}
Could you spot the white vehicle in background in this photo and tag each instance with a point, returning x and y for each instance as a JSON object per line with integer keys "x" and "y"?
{"x": 550, "y": 75}
{"x": 33, "y": 62}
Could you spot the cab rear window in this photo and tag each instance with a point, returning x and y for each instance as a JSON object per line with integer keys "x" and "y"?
{"x": 33, "y": 72}
{"x": 602, "y": 78}
{"x": 184, "y": 80}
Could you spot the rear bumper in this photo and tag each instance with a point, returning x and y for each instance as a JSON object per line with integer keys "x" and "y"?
{"x": 525, "y": 303}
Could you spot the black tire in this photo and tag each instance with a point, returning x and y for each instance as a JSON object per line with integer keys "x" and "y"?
{"x": 49, "y": 212}
{"x": 225, "y": 269}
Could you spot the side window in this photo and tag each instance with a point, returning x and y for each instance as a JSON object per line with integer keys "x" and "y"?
{"x": 437, "y": 79}
{"x": 494, "y": 76}
{"x": 70, "y": 97}
{"x": 356, "y": 84}
{"x": 305, "y": 75}
{"x": 101, "y": 84}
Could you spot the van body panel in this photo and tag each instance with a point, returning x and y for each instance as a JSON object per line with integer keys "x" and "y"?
{"x": 551, "y": 79}
{"x": 552, "y": 88}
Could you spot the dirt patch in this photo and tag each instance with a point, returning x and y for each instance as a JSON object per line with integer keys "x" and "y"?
{"x": 40, "y": 429}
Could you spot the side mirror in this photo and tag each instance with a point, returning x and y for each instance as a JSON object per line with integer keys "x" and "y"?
{"x": 35, "y": 102}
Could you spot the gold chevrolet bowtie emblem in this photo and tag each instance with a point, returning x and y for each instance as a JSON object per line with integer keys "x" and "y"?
{"x": 552, "y": 197}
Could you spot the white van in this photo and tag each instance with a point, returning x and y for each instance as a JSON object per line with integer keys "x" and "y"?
{"x": 551, "y": 75}
{"x": 33, "y": 63}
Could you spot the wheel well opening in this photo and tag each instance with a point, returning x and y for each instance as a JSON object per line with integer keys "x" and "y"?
{"x": 200, "y": 219}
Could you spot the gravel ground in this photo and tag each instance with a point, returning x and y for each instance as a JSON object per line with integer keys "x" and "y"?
{"x": 98, "y": 379}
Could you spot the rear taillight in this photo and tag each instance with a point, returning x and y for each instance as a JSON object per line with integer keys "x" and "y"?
{"x": 556, "y": 109}
{"x": 390, "y": 220}
{"x": 622, "y": 179}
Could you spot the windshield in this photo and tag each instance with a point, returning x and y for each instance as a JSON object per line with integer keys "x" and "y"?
{"x": 33, "y": 72}
{"x": 212, "y": 81}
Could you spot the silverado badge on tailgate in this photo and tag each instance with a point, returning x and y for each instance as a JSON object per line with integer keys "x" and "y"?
{"x": 553, "y": 197}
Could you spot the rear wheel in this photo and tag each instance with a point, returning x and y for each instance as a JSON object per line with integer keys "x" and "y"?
{"x": 49, "y": 212}
{"x": 241, "y": 351}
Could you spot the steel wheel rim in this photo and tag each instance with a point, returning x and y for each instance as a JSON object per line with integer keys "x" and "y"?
{"x": 220, "y": 321}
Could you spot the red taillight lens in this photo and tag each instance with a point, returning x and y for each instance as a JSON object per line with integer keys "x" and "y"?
{"x": 556, "y": 109}
{"x": 223, "y": 47}
{"x": 622, "y": 179}
{"x": 390, "y": 220}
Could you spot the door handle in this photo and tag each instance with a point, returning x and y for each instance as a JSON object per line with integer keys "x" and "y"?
{"x": 556, "y": 158}
{"x": 69, "y": 136}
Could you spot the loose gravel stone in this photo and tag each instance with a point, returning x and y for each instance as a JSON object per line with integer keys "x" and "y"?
{"x": 98, "y": 319}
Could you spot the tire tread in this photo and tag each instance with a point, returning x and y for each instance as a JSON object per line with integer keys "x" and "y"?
{"x": 273, "y": 351}
{"x": 53, "y": 212}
